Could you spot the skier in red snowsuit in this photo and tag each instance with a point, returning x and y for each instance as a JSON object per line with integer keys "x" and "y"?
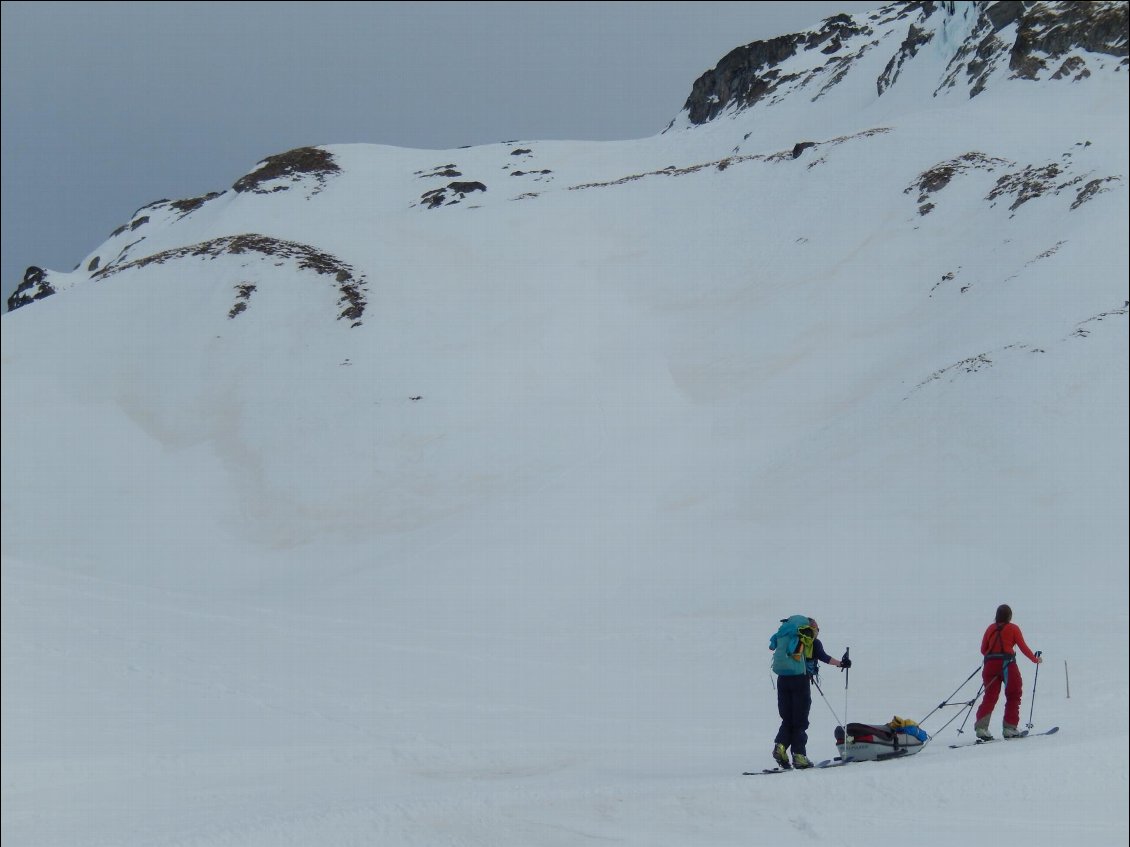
{"x": 998, "y": 646}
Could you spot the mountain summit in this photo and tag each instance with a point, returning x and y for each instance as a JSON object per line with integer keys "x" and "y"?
{"x": 976, "y": 41}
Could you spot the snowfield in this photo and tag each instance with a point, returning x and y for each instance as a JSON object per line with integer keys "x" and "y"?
{"x": 496, "y": 561}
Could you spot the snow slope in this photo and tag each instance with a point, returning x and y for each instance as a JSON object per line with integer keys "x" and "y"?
{"x": 495, "y": 560}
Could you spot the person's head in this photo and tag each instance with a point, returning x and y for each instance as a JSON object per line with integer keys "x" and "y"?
{"x": 1004, "y": 613}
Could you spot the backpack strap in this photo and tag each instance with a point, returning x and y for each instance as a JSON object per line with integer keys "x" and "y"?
{"x": 1006, "y": 658}
{"x": 1000, "y": 654}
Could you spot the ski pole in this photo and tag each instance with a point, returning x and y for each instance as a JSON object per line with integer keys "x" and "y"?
{"x": 1035, "y": 679}
{"x": 816, "y": 682}
{"x": 847, "y": 676}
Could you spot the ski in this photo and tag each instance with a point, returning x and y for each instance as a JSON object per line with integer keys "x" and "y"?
{"x": 1025, "y": 734}
{"x": 777, "y": 770}
{"x": 977, "y": 741}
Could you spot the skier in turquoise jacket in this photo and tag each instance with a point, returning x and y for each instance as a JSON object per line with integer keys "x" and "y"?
{"x": 792, "y": 646}
{"x": 796, "y": 652}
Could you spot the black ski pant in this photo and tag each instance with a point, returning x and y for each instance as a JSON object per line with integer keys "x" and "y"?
{"x": 794, "y": 701}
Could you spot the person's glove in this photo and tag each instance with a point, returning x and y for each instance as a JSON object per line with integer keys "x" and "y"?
{"x": 845, "y": 663}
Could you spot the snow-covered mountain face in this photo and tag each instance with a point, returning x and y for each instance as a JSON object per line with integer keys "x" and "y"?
{"x": 477, "y": 479}
{"x": 928, "y": 51}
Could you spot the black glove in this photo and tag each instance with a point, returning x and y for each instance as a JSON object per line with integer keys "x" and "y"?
{"x": 845, "y": 663}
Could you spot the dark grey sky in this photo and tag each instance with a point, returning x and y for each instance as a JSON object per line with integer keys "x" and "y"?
{"x": 109, "y": 106}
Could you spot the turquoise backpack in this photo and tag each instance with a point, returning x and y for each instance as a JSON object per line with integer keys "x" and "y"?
{"x": 784, "y": 643}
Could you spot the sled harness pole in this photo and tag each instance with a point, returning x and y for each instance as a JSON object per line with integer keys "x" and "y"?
{"x": 947, "y": 702}
{"x": 967, "y": 706}
{"x": 1035, "y": 679}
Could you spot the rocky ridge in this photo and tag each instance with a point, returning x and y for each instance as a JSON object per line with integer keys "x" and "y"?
{"x": 1027, "y": 40}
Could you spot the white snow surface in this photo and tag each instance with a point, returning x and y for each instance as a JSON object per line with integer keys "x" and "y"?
{"x": 499, "y": 565}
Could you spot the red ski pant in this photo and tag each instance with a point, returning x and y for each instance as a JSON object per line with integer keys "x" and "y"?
{"x": 994, "y": 673}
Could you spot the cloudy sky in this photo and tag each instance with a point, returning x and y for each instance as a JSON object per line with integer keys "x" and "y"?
{"x": 110, "y": 106}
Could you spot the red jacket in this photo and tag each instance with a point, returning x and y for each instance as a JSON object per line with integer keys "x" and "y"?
{"x": 1010, "y": 638}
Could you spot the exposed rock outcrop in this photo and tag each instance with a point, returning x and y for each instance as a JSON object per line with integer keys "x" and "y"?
{"x": 450, "y": 194}
{"x": 34, "y": 286}
{"x": 1020, "y": 38}
{"x": 749, "y": 73}
{"x": 350, "y": 286}
{"x": 275, "y": 172}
